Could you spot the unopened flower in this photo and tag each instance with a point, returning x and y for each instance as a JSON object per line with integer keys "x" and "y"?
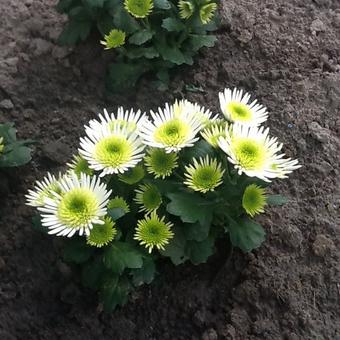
{"x": 114, "y": 39}
{"x": 80, "y": 165}
{"x": 153, "y": 231}
{"x": 2, "y": 146}
{"x": 237, "y": 108}
{"x": 207, "y": 12}
{"x": 148, "y": 197}
{"x": 186, "y": 9}
{"x": 81, "y": 204}
{"x": 139, "y": 8}
{"x": 118, "y": 202}
{"x": 254, "y": 200}
{"x": 255, "y": 153}
{"x": 169, "y": 130}
{"x": 102, "y": 234}
{"x": 132, "y": 176}
{"x": 43, "y": 189}
{"x": 204, "y": 175}
{"x": 213, "y": 133}
{"x": 111, "y": 152}
{"x": 160, "y": 163}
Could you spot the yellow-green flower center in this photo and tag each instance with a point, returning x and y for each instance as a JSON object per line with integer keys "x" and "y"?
{"x": 77, "y": 207}
{"x": 254, "y": 199}
{"x": 250, "y": 154}
{"x": 206, "y": 178}
{"x": 239, "y": 112}
{"x": 139, "y": 8}
{"x": 172, "y": 133}
{"x": 113, "y": 151}
{"x": 102, "y": 234}
{"x": 161, "y": 163}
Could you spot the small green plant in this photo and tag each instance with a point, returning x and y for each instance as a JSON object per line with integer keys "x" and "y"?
{"x": 148, "y": 35}
{"x": 13, "y": 152}
{"x": 165, "y": 185}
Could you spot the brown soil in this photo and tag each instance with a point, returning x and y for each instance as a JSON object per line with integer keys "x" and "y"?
{"x": 286, "y": 52}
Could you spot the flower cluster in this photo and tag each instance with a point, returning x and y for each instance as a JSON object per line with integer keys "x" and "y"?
{"x": 167, "y": 183}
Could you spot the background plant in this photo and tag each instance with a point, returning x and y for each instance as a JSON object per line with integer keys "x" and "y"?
{"x": 148, "y": 35}
{"x": 166, "y": 186}
{"x": 13, "y": 152}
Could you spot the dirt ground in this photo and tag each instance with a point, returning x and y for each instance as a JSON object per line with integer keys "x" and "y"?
{"x": 287, "y": 53}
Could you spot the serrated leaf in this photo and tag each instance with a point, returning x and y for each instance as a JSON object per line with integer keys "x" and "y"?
{"x": 175, "y": 249}
{"x": 74, "y": 32}
{"x": 146, "y": 273}
{"x": 19, "y": 155}
{"x": 200, "y": 149}
{"x": 173, "y": 25}
{"x": 199, "y": 252}
{"x": 92, "y": 273}
{"x": 139, "y": 52}
{"x": 277, "y": 200}
{"x": 114, "y": 292}
{"x": 121, "y": 255}
{"x": 8, "y": 133}
{"x": 162, "y": 4}
{"x": 124, "y": 21}
{"x": 245, "y": 234}
{"x": 196, "y": 231}
{"x": 190, "y": 208}
{"x": 105, "y": 24}
{"x": 199, "y": 41}
{"x": 77, "y": 251}
{"x": 141, "y": 37}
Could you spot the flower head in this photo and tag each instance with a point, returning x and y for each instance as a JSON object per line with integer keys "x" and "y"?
{"x": 80, "y": 204}
{"x": 186, "y": 9}
{"x": 127, "y": 119}
{"x": 237, "y": 108}
{"x": 254, "y": 200}
{"x": 160, "y": 163}
{"x": 204, "y": 175}
{"x": 213, "y": 133}
{"x": 114, "y": 39}
{"x": 2, "y": 146}
{"x": 148, "y": 197}
{"x": 102, "y": 234}
{"x": 170, "y": 130}
{"x": 139, "y": 8}
{"x": 111, "y": 151}
{"x": 255, "y": 153}
{"x": 132, "y": 176}
{"x": 80, "y": 165}
{"x": 153, "y": 231}
{"x": 207, "y": 12}
{"x": 118, "y": 202}
{"x": 43, "y": 189}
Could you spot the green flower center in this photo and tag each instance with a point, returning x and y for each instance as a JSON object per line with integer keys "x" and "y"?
{"x": 152, "y": 198}
{"x": 206, "y": 178}
{"x": 161, "y": 163}
{"x": 254, "y": 199}
{"x": 239, "y": 111}
{"x": 113, "y": 151}
{"x": 102, "y": 234}
{"x": 250, "y": 154}
{"x": 77, "y": 207}
{"x": 139, "y": 8}
{"x": 172, "y": 133}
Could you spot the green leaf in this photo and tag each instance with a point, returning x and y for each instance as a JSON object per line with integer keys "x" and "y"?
{"x": 8, "y": 133}
{"x": 199, "y": 252}
{"x": 93, "y": 3}
{"x": 121, "y": 255}
{"x": 145, "y": 274}
{"x": 116, "y": 213}
{"x": 124, "y": 21}
{"x": 77, "y": 251}
{"x": 114, "y": 292}
{"x": 37, "y": 225}
{"x": 245, "y": 234}
{"x": 65, "y": 5}
{"x": 196, "y": 231}
{"x": 176, "y": 247}
{"x": 199, "y": 41}
{"x": 190, "y": 208}
{"x": 277, "y": 200}
{"x": 92, "y": 273}
{"x": 139, "y": 52}
{"x": 19, "y": 155}
{"x": 105, "y": 24}
{"x": 74, "y": 32}
{"x": 173, "y": 54}
{"x": 162, "y": 4}
{"x": 200, "y": 149}
{"x": 124, "y": 76}
{"x": 141, "y": 37}
{"x": 173, "y": 25}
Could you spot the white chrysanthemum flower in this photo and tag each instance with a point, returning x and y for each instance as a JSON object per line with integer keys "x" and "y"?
{"x": 43, "y": 189}
{"x": 237, "y": 108}
{"x": 170, "y": 130}
{"x": 255, "y": 153}
{"x": 111, "y": 150}
{"x": 184, "y": 107}
{"x": 128, "y": 119}
{"x": 81, "y": 204}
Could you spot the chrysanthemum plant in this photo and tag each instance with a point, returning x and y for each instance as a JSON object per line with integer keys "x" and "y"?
{"x": 148, "y": 35}
{"x": 167, "y": 184}
{"x": 13, "y": 152}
